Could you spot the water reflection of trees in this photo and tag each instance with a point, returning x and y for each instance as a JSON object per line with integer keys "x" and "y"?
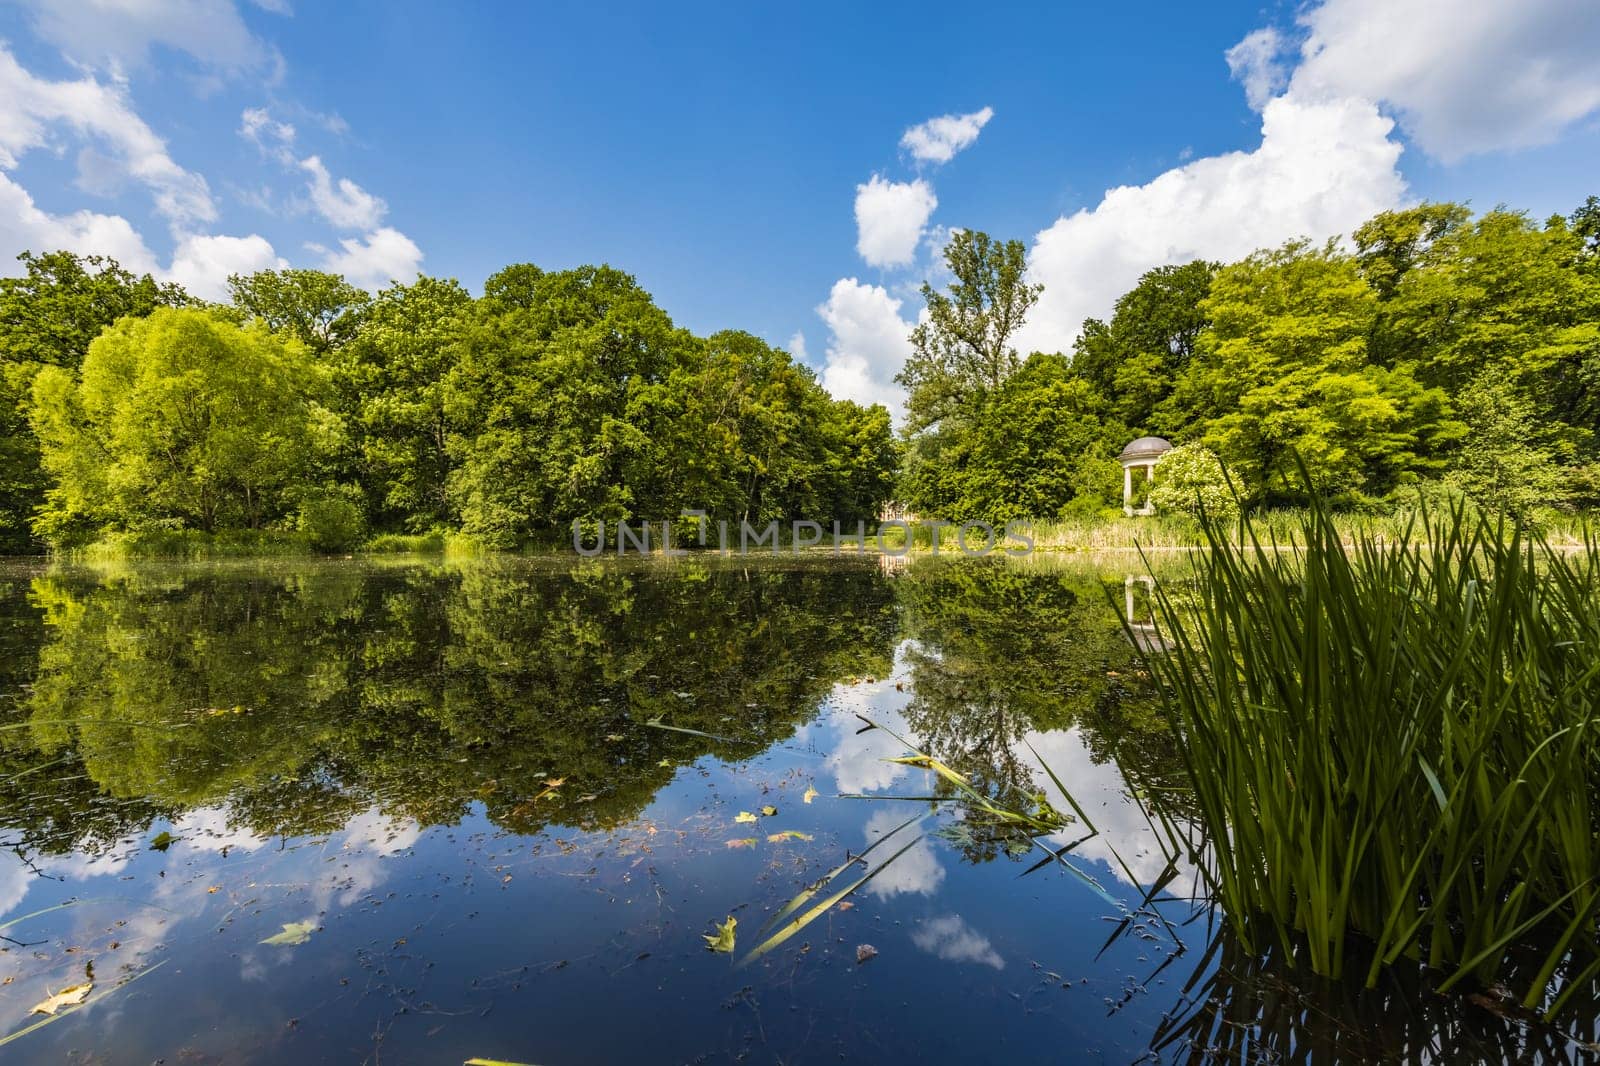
{"x": 999, "y": 651}
{"x": 301, "y": 695}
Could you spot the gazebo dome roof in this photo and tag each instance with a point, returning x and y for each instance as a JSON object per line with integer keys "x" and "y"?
{"x": 1146, "y": 448}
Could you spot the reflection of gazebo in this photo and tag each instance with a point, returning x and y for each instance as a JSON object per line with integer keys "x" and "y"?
{"x": 1145, "y": 452}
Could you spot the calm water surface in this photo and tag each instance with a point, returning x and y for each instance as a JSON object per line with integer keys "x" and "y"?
{"x": 493, "y": 808}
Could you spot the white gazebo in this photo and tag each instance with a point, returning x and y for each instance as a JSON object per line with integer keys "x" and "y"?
{"x": 1145, "y": 452}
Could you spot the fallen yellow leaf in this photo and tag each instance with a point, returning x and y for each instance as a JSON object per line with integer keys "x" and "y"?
{"x": 788, "y": 834}
{"x": 810, "y": 794}
{"x": 67, "y": 997}
{"x": 744, "y": 816}
{"x": 723, "y": 941}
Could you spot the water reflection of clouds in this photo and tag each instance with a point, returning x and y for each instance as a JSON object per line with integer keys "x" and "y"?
{"x": 858, "y": 761}
{"x": 949, "y": 937}
{"x": 1101, "y": 791}
{"x": 915, "y": 872}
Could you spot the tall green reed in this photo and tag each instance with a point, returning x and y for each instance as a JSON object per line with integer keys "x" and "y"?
{"x": 1397, "y": 739}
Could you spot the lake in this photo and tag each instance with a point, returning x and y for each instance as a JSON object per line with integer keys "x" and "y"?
{"x": 412, "y": 810}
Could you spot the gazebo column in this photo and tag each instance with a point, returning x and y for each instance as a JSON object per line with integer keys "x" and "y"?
{"x": 1127, "y": 487}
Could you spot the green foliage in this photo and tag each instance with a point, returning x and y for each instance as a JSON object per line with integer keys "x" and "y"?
{"x": 48, "y": 316}
{"x": 179, "y": 420}
{"x": 1190, "y": 480}
{"x": 1027, "y": 449}
{"x": 963, "y": 348}
{"x": 1136, "y": 358}
{"x": 1505, "y": 462}
{"x": 330, "y": 521}
{"x": 1395, "y": 741}
{"x": 321, "y": 310}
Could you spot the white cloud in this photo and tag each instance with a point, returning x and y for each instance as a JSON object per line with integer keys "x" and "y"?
{"x": 1257, "y": 63}
{"x": 868, "y": 345}
{"x": 797, "y": 346}
{"x": 100, "y": 113}
{"x": 939, "y": 139}
{"x": 890, "y": 217}
{"x": 273, "y": 137}
{"x": 24, "y": 227}
{"x": 118, "y": 36}
{"x": 201, "y": 264}
{"x": 1463, "y": 76}
{"x": 1322, "y": 168}
{"x": 343, "y": 202}
{"x": 374, "y": 260}
{"x": 950, "y": 938}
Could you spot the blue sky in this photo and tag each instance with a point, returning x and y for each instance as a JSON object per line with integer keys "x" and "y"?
{"x": 751, "y": 165}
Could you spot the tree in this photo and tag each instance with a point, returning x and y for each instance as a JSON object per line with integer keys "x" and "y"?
{"x": 48, "y": 317}
{"x": 1031, "y": 447}
{"x": 1136, "y": 359}
{"x": 392, "y": 388}
{"x": 179, "y": 420}
{"x": 1283, "y": 369}
{"x": 563, "y": 399}
{"x": 964, "y": 346}
{"x": 1506, "y": 460}
{"x": 318, "y": 308}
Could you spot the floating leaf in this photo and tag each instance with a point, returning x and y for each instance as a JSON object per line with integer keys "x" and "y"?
{"x": 742, "y": 842}
{"x": 744, "y": 816}
{"x": 810, "y": 794}
{"x": 723, "y": 941}
{"x": 665, "y": 762}
{"x": 293, "y": 933}
{"x": 162, "y": 841}
{"x": 769, "y": 810}
{"x": 788, "y": 834}
{"x": 67, "y": 997}
{"x": 865, "y": 952}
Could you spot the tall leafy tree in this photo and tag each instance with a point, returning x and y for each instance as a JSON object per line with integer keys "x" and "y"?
{"x": 963, "y": 347}
{"x": 392, "y": 384}
{"x": 1135, "y": 359}
{"x": 178, "y": 420}
{"x": 48, "y": 317}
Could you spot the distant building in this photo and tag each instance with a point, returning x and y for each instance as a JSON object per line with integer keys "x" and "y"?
{"x": 1145, "y": 452}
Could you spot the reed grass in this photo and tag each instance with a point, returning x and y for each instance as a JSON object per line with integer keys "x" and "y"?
{"x": 1395, "y": 738}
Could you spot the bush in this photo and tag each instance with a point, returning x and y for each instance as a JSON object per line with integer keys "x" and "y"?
{"x": 331, "y": 522}
{"x": 1190, "y": 478}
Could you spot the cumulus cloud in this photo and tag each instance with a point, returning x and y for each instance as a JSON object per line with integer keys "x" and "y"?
{"x": 1322, "y": 168}
{"x": 939, "y": 139}
{"x": 343, "y": 202}
{"x": 273, "y": 137}
{"x": 118, "y": 36}
{"x": 1462, "y": 76}
{"x": 24, "y": 226}
{"x": 1257, "y": 63}
{"x": 201, "y": 264}
{"x": 868, "y": 345}
{"x": 100, "y": 113}
{"x": 890, "y": 218}
{"x": 373, "y": 260}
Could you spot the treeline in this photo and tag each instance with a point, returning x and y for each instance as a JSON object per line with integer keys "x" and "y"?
{"x": 1437, "y": 353}
{"x": 307, "y": 409}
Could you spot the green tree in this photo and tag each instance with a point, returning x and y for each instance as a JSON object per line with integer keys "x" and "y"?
{"x": 1506, "y": 460}
{"x": 48, "y": 316}
{"x": 1032, "y": 447}
{"x": 964, "y": 346}
{"x": 320, "y": 309}
{"x": 1283, "y": 369}
{"x": 1135, "y": 359}
{"x": 392, "y": 388}
{"x": 179, "y": 420}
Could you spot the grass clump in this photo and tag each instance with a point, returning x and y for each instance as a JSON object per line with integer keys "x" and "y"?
{"x": 1395, "y": 739}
